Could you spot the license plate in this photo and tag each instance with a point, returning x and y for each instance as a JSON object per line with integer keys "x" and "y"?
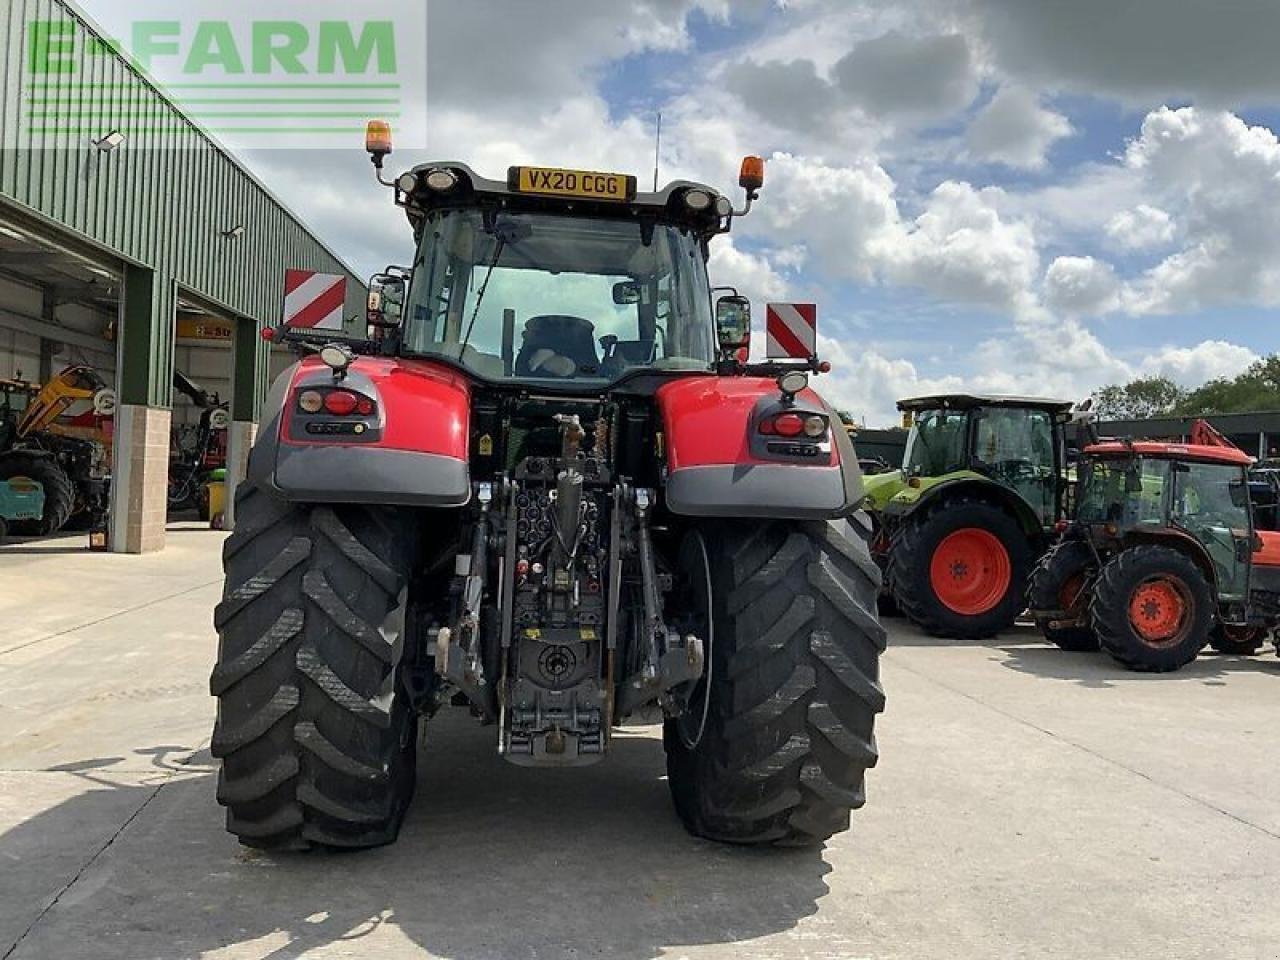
{"x": 554, "y": 182}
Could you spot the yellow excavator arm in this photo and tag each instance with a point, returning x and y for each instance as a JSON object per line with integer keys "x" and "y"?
{"x": 72, "y": 384}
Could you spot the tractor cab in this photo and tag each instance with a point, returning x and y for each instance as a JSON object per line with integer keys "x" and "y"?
{"x": 1016, "y": 442}
{"x": 1198, "y": 495}
{"x": 1165, "y": 542}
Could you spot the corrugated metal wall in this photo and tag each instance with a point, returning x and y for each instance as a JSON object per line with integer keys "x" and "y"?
{"x": 162, "y": 199}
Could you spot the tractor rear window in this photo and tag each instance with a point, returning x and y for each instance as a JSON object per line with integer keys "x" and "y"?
{"x": 558, "y": 298}
{"x": 1126, "y": 492}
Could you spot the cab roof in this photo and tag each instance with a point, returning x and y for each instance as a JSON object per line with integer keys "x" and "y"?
{"x": 1170, "y": 451}
{"x": 967, "y": 401}
{"x": 474, "y": 190}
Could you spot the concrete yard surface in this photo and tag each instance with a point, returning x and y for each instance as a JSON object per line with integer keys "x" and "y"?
{"x": 1028, "y": 803}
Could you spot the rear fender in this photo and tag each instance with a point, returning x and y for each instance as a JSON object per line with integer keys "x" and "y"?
{"x": 1184, "y": 543}
{"x": 718, "y": 465}
{"x": 412, "y": 451}
{"x": 978, "y": 488}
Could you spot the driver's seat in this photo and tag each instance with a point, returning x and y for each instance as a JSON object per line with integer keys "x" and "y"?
{"x": 572, "y": 337}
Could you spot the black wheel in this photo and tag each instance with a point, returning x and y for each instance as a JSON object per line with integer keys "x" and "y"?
{"x": 959, "y": 568}
{"x": 1152, "y": 609}
{"x": 59, "y": 491}
{"x": 1060, "y": 582}
{"x": 793, "y": 652}
{"x": 1237, "y": 641}
{"x": 316, "y": 736}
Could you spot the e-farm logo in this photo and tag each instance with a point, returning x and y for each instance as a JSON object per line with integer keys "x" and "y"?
{"x": 272, "y": 73}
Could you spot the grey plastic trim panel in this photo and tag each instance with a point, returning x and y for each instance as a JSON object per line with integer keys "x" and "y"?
{"x": 782, "y": 491}
{"x": 325, "y": 474}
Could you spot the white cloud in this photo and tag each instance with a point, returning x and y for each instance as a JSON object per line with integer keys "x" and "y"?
{"x": 960, "y": 249}
{"x": 1081, "y": 286}
{"x": 836, "y": 213}
{"x": 1193, "y": 366}
{"x": 1143, "y": 227}
{"x": 1015, "y": 130}
{"x": 751, "y": 274}
{"x": 1221, "y": 180}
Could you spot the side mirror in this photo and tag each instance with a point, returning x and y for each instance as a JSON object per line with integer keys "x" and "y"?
{"x": 386, "y": 300}
{"x": 733, "y": 323}
{"x": 626, "y": 293}
{"x": 1132, "y": 481}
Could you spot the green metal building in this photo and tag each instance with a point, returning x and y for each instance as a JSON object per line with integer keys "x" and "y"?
{"x": 118, "y": 217}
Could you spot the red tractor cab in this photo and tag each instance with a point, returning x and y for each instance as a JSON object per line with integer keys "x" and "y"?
{"x": 1163, "y": 557}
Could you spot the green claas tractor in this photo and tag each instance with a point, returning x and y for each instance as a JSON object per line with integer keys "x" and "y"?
{"x": 1163, "y": 557}
{"x": 960, "y": 526}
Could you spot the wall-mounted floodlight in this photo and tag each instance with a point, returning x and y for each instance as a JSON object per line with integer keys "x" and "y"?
{"x": 110, "y": 142}
{"x": 235, "y": 233}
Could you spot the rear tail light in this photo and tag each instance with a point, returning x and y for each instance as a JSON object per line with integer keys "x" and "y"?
{"x": 338, "y": 403}
{"x": 341, "y": 403}
{"x": 813, "y": 427}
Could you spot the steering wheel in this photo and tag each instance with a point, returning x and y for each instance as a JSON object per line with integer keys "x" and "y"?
{"x": 1014, "y": 470}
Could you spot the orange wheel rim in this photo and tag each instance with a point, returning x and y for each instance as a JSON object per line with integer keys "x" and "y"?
{"x": 1159, "y": 611}
{"x": 1071, "y": 593}
{"x": 970, "y": 572}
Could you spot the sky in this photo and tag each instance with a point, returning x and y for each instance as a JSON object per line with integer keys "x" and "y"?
{"x": 995, "y": 195}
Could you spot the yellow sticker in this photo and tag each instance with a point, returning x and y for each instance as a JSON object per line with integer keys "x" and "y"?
{"x": 533, "y": 633}
{"x": 586, "y": 633}
{"x": 485, "y": 445}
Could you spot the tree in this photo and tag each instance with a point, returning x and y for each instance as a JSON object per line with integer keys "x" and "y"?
{"x": 1139, "y": 399}
{"x": 1258, "y": 388}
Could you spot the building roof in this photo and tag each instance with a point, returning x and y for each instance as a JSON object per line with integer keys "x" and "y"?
{"x": 965, "y": 401}
{"x": 1170, "y": 451}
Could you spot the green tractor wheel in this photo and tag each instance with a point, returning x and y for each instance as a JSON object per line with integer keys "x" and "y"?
{"x": 959, "y": 568}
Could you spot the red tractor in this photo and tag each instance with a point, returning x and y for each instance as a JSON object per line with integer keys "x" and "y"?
{"x": 547, "y": 491}
{"x": 1163, "y": 556}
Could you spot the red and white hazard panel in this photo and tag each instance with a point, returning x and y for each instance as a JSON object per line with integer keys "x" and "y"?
{"x": 791, "y": 330}
{"x": 314, "y": 300}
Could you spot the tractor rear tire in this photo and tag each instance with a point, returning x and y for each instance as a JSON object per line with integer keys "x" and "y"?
{"x": 976, "y": 587}
{"x": 59, "y": 491}
{"x": 1237, "y": 641}
{"x": 794, "y": 660}
{"x": 1152, "y": 609}
{"x": 314, "y": 730}
{"x": 1060, "y": 581}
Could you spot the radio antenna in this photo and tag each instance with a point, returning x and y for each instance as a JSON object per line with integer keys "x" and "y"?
{"x": 657, "y": 148}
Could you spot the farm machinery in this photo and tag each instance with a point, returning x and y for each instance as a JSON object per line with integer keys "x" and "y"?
{"x": 69, "y": 459}
{"x": 549, "y": 491}
{"x": 1162, "y": 558}
{"x": 959, "y": 527}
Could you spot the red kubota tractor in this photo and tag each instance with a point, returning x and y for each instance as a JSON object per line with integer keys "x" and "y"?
{"x": 1163, "y": 556}
{"x": 548, "y": 491}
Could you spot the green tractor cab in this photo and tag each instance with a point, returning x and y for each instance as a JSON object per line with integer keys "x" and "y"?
{"x": 959, "y": 527}
{"x": 1163, "y": 557}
